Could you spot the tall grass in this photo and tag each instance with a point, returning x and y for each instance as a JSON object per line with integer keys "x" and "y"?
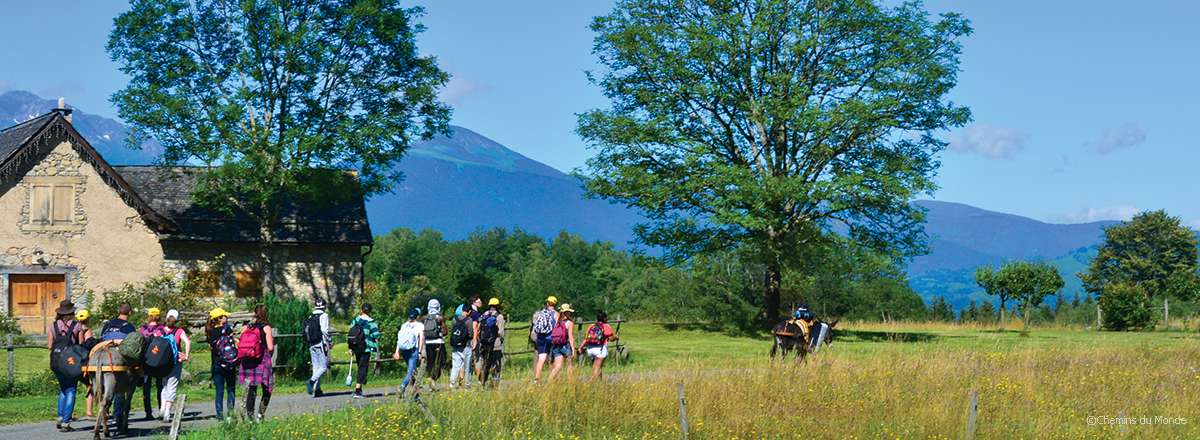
{"x": 1042, "y": 392}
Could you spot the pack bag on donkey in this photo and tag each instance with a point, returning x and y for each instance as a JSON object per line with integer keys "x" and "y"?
{"x": 161, "y": 354}
{"x": 132, "y": 348}
{"x": 67, "y": 357}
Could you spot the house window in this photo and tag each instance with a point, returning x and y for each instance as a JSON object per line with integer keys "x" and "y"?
{"x": 249, "y": 283}
{"x": 206, "y": 282}
{"x": 52, "y": 203}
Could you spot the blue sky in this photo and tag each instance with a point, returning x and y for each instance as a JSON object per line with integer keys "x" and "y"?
{"x": 1084, "y": 110}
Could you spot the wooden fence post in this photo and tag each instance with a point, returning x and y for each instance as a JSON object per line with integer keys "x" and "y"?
{"x": 11, "y": 377}
{"x": 1166, "y": 315}
{"x": 1099, "y": 317}
{"x": 178, "y": 416}
{"x": 683, "y": 422}
{"x": 972, "y": 408}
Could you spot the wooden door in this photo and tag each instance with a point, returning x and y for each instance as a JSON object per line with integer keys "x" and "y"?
{"x": 32, "y": 300}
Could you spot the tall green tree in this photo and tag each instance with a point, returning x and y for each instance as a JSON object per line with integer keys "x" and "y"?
{"x": 987, "y": 277}
{"x": 1029, "y": 284}
{"x": 768, "y": 126}
{"x": 266, "y": 93}
{"x": 1152, "y": 251}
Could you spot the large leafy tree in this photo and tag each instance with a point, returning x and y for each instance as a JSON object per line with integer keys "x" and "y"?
{"x": 267, "y": 93}
{"x": 770, "y": 125}
{"x": 1154, "y": 252}
{"x": 1029, "y": 284}
{"x": 987, "y": 277}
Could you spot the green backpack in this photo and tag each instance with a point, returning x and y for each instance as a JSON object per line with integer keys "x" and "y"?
{"x": 131, "y": 348}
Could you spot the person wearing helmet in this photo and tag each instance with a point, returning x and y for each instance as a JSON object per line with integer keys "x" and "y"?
{"x": 539, "y": 331}
{"x": 150, "y": 330}
{"x": 224, "y": 376}
{"x": 83, "y": 334}
{"x": 491, "y": 342}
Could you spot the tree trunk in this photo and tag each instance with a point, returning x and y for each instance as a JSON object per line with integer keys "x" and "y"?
{"x": 772, "y": 288}
{"x": 1001, "y": 322}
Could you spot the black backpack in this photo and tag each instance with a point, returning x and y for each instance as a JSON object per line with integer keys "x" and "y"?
{"x": 312, "y": 330}
{"x": 433, "y": 327}
{"x": 160, "y": 357}
{"x": 489, "y": 329}
{"x": 460, "y": 334}
{"x": 356, "y": 339}
{"x": 69, "y": 357}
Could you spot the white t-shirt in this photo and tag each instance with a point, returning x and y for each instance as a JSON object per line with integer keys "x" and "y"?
{"x": 409, "y": 335}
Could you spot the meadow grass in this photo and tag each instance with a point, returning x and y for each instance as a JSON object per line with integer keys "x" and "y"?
{"x": 877, "y": 381}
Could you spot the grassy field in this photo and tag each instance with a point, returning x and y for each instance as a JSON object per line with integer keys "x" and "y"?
{"x": 877, "y": 381}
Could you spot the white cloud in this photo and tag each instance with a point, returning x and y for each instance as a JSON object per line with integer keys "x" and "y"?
{"x": 460, "y": 88}
{"x": 990, "y": 141}
{"x": 1118, "y": 212}
{"x": 1124, "y": 136}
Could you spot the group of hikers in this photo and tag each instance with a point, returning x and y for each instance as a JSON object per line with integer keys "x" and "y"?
{"x": 473, "y": 339}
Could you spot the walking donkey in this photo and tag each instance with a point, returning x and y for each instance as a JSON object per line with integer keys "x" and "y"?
{"x": 790, "y": 336}
{"x": 114, "y": 377}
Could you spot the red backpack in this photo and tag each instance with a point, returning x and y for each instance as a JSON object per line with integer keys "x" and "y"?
{"x": 558, "y": 336}
{"x": 594, "y": 335}
{"x": 250, "y": 344}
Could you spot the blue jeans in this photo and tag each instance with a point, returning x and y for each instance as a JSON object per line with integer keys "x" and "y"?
{"x": 413, "y": 357}
{"x": 225, "y": 381}
{"x": 66, "y": 404}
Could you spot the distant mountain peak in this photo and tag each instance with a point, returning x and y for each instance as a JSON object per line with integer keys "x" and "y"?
{"x": 465, "y": 147}
{"x": 106, "y": 135}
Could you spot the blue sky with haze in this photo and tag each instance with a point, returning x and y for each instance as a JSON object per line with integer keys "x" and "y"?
{"x": 1084, "y": 110}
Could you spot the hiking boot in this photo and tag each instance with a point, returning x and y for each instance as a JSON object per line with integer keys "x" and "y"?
{"x": 317, "y": 392}
{"x": 308, "y": 387}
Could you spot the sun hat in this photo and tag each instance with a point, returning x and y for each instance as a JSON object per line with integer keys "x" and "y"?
{"x": 153, "y": 311}
{"x": 82, "y": 315}
{"x": 566, "y": 308}
{"x": 66, "y": 307}
{"x": 217, "y": 313}
{"x": 172, "y": 314}
{"x": 551, "y": 300}
{"x": 494, "y": 302}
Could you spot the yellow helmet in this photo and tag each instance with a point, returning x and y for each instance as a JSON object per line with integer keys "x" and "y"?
{"x": 153, "y": 311}
{"x": 217, "y": 313}
{"x": 494, "y": 302}
{"x": 551, "y": 300}
{"x": 82, "y": 315}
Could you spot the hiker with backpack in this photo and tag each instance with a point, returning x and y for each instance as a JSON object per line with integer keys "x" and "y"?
{"x": 491, "y": 341}
{"x": 595, "y": 343}
{"x": 462, "y": 343}
{"x": 410, "y": 346}
{"x": 65, "y": 339}
{"x": 255, "y": 346}
{"x": 316, "y": 334}
{"x": 562, "y": 342}
{"x": 150, "y": 330}
{"x": 224, "y": 360}
{"x": 540, "y": 328}
{"x": 435, "y": 347}
{"x": 174, "y": 332}
{"x": 363, "y": 339}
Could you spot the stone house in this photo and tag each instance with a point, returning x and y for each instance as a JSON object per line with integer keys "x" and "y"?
{"x": 70, "y": 224}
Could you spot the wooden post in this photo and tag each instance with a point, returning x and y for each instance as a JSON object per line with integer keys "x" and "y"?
{"x": 683, "y": 423}
{"x": 972, "y": 409}
{"x": 11, "y": 378}
{"x": 1166, "y": 315}
{"x": 178, "y": 416}
{"x": 1099, "y": 320}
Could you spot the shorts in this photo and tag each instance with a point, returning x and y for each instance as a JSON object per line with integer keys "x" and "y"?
{"x": 558, "y": 351}
{"x": 598, "y": 351}
{"x": 542, "y": 344}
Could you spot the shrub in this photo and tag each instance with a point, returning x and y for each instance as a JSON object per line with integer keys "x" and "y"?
{"x": 287, "y": 316}
{"x": 165, "y": 292}
{"x": 1124, "y": 307}
{"x": 43, "y": 383}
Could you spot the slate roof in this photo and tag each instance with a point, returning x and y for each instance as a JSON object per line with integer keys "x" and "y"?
{"x": 168, "y": 190}
{"x": 162, "y": 195}
{"x": 12, "y": 138}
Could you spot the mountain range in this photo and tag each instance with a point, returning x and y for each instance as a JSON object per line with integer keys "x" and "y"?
{"x": 459, "y": 183}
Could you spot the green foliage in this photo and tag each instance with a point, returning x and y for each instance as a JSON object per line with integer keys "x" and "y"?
{"x": 287, "y": 316}
{"x": 41, "y": 383}
{"x": 1028, "y": 283}
{"x": 1124, "y": 306}
{"x": 272, "y": 94}
{"x": 763, "y": 126}
{"x": 1153, "y": 250}
{"x": 939, "y": 310}
{"x": 165, "y": 292}
{"x": 987, "y": 278}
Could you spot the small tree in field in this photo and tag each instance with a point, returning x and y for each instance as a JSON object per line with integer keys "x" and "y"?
{"x": 1029, "y": 283}
{"x": 1125, "y": 307}
{"x": 986, "y": 277}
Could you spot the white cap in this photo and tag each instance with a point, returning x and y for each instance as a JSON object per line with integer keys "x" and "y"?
{"x": 173, "y": 314}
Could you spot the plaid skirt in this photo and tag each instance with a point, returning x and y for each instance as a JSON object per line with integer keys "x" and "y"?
{"x": 257, "y": 373}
